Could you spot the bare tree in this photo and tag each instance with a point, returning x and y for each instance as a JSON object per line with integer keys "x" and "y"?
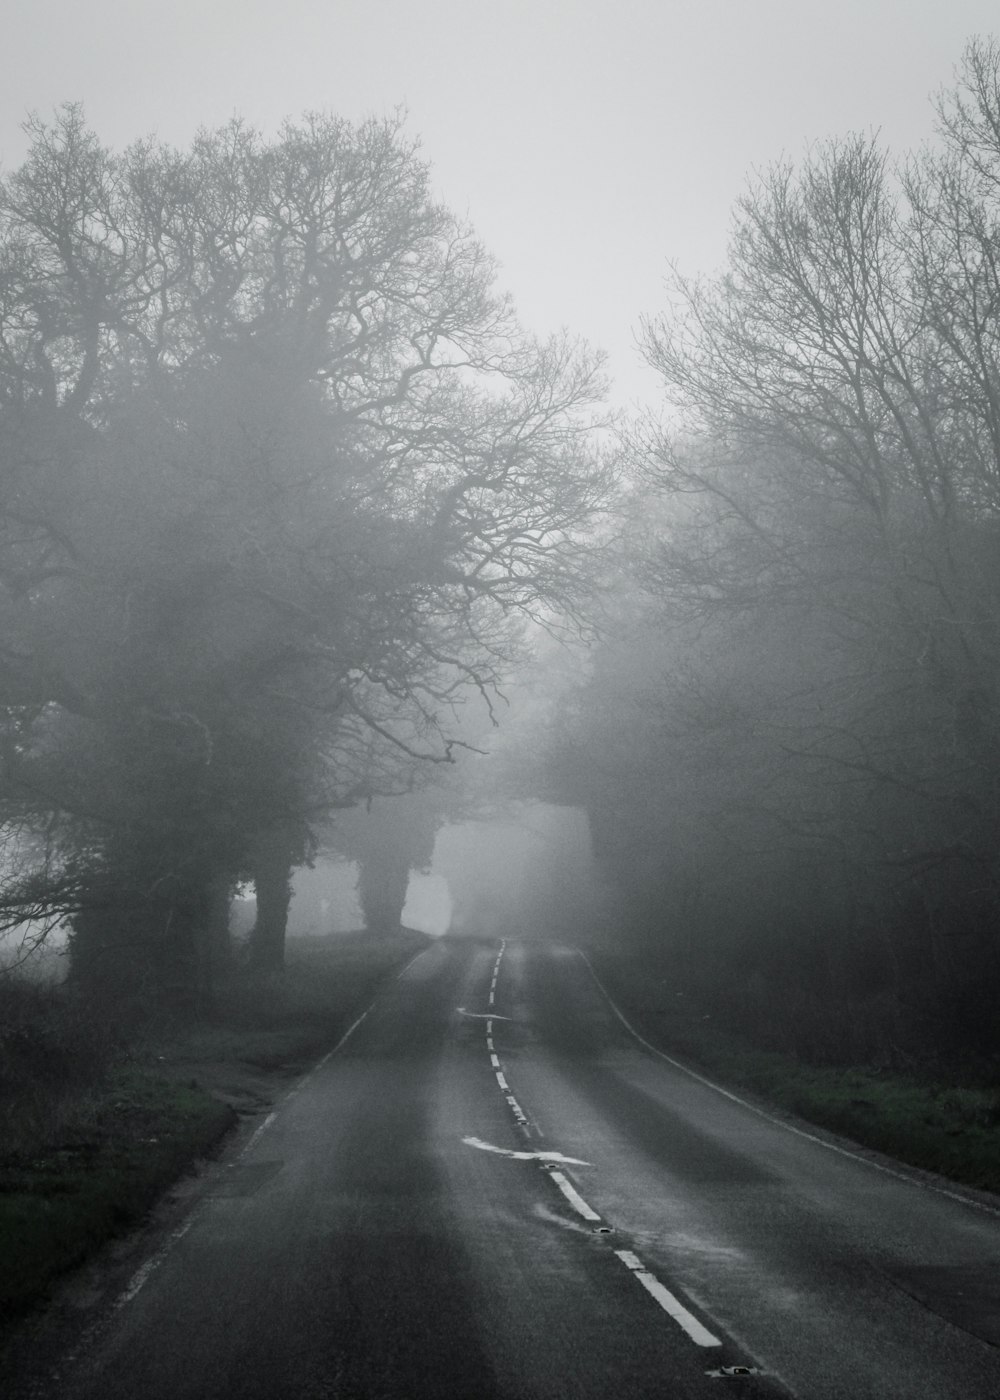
{"x": 281, "y": 474}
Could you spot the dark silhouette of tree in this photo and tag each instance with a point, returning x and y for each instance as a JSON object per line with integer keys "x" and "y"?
{"x": 791, "y": 740}
{"x": 280, "y": 474}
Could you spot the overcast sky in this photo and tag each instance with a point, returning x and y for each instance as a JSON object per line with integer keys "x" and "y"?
{"x": 589, "y": 141}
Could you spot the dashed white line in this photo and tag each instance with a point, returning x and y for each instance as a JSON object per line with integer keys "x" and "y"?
{"x": 698, "y": 1333}
{"x": 517, "y": 1111}
{"x": 671, "y": 1305}
{"x": 573, "y": 1196}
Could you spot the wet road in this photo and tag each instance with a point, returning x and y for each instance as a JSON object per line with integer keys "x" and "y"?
{"x": 492, "y": 1189}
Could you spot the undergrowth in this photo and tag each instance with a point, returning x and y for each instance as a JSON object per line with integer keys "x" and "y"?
{"x": 941, "y": 1119}
{"x": 96, "y": 1121}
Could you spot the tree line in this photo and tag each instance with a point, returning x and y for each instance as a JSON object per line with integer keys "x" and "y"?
{"x": 285, "y": 490}
{"x": 282, "y": 483}
{"x": 789, "y": 744}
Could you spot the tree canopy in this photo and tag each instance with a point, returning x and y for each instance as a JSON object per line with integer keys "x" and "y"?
{"x": 280, "y": 475}
{"x": 791, "y": 741}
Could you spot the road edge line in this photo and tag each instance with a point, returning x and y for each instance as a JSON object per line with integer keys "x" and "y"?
{"x": 912, "y": 1180}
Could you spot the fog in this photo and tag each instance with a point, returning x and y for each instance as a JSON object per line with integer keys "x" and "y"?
{"x": 530, "y": 873}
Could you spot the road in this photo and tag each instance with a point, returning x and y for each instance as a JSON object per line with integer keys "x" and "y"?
{"x": 493, "y": 1189}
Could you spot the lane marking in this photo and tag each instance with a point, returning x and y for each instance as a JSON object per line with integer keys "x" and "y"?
{"x": 352, "y": 1028}
{"x": 571, "y": 1193}
{"x": 143, "y": 1273}
{"x": 261, "y": 1128}
{"x": 698, "y": 1333}
{"x": 778, "y": 1122}
{"x": 670, "y": 1304}
{"x": 543, "y": 1156}
{"x": 517, "y": 1111}
{"x": 481, "y": 1015}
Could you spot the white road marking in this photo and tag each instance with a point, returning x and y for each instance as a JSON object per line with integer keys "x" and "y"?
{"x": 517, "y": 1110}
{"x": 138, "y": 1279}
{"x": 671, "y": 1305}
{"x": 571, "y": 1193}
{"x": 543, "y": 1156}
{"x": 257, "y": 1132}
{"x": 141, "y": 1274}
{"x": 779, "y": 1122}
{"x": 481, "y": 1015}
{"x": 699, "y": 1334}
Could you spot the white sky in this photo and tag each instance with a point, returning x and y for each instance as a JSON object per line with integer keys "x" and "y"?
{"x": 589, "y": 141}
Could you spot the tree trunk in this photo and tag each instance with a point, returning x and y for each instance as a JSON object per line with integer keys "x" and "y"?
{"x": 273, "y": 863}
{"x": 383, "y": 878}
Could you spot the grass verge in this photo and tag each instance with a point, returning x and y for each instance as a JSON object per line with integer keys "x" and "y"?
{"x": 94, "y": 1162}
{"x": 942, "y": 1126}
{"x": 134, "y": 1135}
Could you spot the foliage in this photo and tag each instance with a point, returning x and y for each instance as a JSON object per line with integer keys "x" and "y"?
{"x": 280, "y": 474}
{"x": 790, "y": 745}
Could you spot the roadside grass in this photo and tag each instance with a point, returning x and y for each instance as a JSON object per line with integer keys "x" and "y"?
{"x": 134, "y": 1134}
{"x": 921, "y": 1118}
{"x": 95, "y": 1130}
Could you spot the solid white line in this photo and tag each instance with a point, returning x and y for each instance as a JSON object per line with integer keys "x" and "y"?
{"x": 138, "y": 1279}
{"x": 779, "y": 1122}
{"x": 141, "y": 1274}
{"x": 351, "y": 1029}
{"x": 257, "y": 1132}
{"x": 700, "y": 1335}
{"x": 573, "y": 1196}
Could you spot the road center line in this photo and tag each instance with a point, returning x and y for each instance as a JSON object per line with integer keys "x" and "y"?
{"x": 698, "y": 1333}
{"x": 573, "y": 1196}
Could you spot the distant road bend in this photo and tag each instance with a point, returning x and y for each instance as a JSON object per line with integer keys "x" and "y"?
{"x": 492, "y": 1190}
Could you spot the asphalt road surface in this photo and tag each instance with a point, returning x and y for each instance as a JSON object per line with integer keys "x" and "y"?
{"x": 493, "y": 1189}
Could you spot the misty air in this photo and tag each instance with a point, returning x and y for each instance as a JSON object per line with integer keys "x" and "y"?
{"x": 500, "y": 701}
